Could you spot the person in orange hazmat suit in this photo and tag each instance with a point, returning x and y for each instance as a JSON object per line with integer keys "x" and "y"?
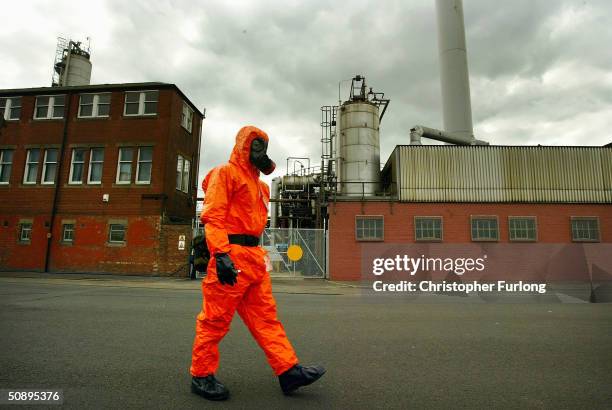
{"x": 235, "y": 214}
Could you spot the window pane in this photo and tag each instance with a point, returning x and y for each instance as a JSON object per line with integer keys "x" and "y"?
{"x": 146, "y": 154}
{"x": 34, "y": 155}
{"x": 5, "y": 172}
{"x": 68, "y": 232}
{"x": 144, "y": 172}
{"x": 87, "y": 99}
{"x": 150, "y": 108}
{"x": 179, "y": 172}
{"x": 86, "y": 110}
{"x": 104, "y": 99}
{"x": 117, "y": 233}
{"x": 50, "y": 172}
{"x": 58, "y": 111}
{"x": 151, "y": 96}
{"x": 186, "y": 176}
{"x": 15, "y": 113}
{"x": 96, "y": 172}
{"x": 41, "y": 112}
{"x": 77, "y": 172}
{"x": 3, "y": 103}
{"x": 58, "y": 100}
{"x": 40, "y": 101}
{"x": 7, "y": 155}
{"x": 125, "y": 154}
{"x": 31, "y": 173}
{"x": 51, "y": 155}
{"x": 97, "y": 154}
{"x": 132, "y": 97}
{"x": 125, "y": 172}
{"x": 79, "y": 155}
{"x": 103, "y": 110}
{"x": 131, "y": 108}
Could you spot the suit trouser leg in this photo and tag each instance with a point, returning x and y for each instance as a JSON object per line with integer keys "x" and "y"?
{"x": 213, "y": 322}
{"x": 258, "y": 311}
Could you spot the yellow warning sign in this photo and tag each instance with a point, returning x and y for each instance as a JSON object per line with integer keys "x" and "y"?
{"x": 294, "y": 253}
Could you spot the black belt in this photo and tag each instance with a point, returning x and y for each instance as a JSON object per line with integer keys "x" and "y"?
{"x": 244, "y": 240}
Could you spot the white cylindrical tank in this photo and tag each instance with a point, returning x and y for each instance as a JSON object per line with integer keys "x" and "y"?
{"x": 77, "y": 70}
{"x": 454, "y": 77}
{"x": 358, "y": 162}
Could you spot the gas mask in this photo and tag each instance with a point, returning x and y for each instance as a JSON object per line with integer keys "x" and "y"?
{"x": 259, "y": 157}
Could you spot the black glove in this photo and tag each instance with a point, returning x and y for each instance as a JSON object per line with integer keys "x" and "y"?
{"x": 226, "y": 272}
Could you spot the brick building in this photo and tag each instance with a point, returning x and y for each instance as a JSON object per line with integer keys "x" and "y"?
{"x": 98, "y": 178}
{"x": 475, "y": 194}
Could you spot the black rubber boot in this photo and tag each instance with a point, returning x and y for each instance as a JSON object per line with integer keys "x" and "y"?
{"x": 299, "y": 376}
{"x": 209, "y": 387}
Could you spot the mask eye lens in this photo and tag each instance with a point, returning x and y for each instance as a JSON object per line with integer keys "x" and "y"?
{"x": 258, "y": 145}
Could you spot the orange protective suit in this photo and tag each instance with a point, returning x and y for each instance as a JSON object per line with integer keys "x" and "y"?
{"x": 236, "y": 203}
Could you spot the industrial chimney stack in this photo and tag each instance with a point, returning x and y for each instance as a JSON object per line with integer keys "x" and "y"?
{"x": 454, "y": 77}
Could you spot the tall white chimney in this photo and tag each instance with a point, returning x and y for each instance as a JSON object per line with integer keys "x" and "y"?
{"x": 454, "y": 77}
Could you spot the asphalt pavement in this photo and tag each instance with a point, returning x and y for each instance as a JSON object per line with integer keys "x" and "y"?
{"x": 113, "y": 342}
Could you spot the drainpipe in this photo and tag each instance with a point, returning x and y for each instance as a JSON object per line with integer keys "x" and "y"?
{"x": 58, "y": 180}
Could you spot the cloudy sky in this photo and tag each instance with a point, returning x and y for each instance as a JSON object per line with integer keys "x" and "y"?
{"x": 540, "y": 71}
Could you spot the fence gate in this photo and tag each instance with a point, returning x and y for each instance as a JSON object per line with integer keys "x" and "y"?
{"x": 313, "y": 244}
{"x": 276, "y": 241}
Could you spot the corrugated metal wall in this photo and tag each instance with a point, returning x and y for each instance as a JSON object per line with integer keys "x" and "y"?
{"x": 448, "y": 173}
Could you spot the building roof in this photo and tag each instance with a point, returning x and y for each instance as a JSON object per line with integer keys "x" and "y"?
{"x": 96, "y": 87}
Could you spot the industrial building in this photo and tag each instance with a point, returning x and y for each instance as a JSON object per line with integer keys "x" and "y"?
{"x": 97, "y": 178}
{"x": 464, "y": 192}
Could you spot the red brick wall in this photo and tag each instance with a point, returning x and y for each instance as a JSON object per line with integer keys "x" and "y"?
{"x": 151, "y": 248}
{"x": 553, "y": 222}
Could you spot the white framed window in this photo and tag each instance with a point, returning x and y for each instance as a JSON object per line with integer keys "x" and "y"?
{"x": 124, "y": 166}
{"x": 68, "y": 232}
{"x": 30, "y": 174}
{"x": 522, "y": 228}
{"x": 485, "y": 228}
{"x": 369, "y": 228}
{"x": 10, "y": 108}
{"x": 183, "y": 168}
{"x": 116, "y": 233}
{"x": 77, "y": 165}
{"x": 49, "y": 107}
{"x": 428, "y": 228}
{"x": 187, "y": 117}
{"x": 140, "y": 103}
{"x": 25, "y": 231}
{"x": 49, "y": 166}
{"x": 179, "y": 173}
{"x": 186, "y": 169}
{"x": 143, "y": 167}
{"x": 94, "y": 105}
{"x": 96, "y": 165}
{"x": 6, "y": 165}
{"x": 585, "y": 228}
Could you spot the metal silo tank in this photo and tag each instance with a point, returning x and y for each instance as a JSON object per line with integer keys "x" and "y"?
{"x": 359, "y": 148}
{"x": 78, "y": 70}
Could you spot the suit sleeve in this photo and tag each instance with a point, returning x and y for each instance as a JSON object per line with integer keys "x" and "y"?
{"x": 216, "y": 203}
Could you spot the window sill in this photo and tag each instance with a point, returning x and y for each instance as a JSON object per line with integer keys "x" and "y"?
{"x": 100, "y": 117}
{"x": 369, "y": 240}
{"x": 22, "y": 185}
{"x": 131, "y": 185}
{"x": 116, "y": 244}
{"x": 523, "y": 240}
{"x": 66, "y": 243}
{"x": 48, "y": 119}
{"x": 428, "y": 240}
{"x": 83, "y": 185}
{"x": 140, "y": 116}
{"x": 24, "y": 242}
{"x": 485, "y": 240}
{"x": 586, "y": 240}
